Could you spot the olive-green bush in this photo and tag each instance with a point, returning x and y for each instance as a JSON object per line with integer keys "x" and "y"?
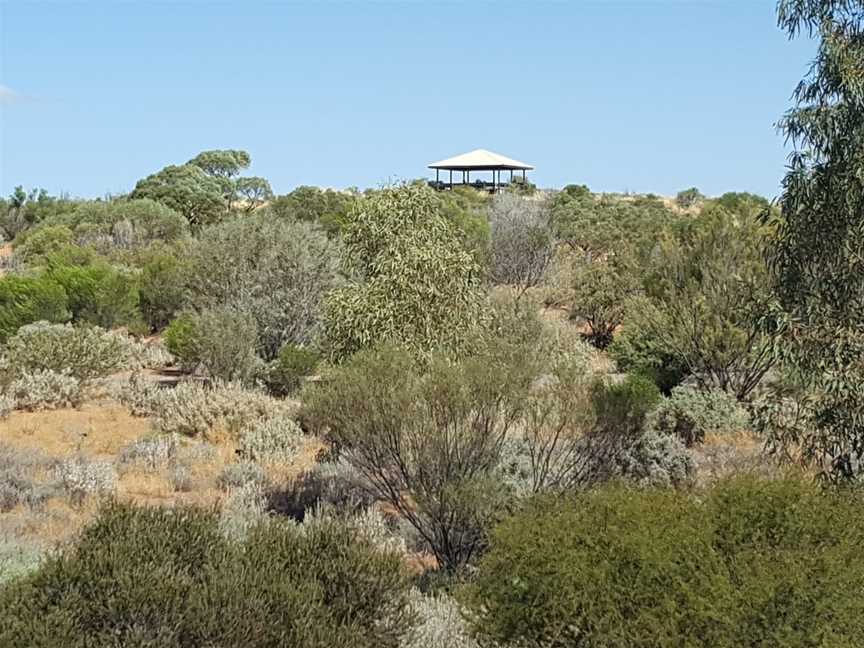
{"x": 748, "y": 563}
{"x": 286, "y": 373}
{"x": 24, "y": 300}
{"x": 410, "y": 281}
{"x": 169, "y": 578}
{"x": 99, "y": 294}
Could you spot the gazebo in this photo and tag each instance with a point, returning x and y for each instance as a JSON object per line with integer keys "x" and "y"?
{"x": 479, "y": 160}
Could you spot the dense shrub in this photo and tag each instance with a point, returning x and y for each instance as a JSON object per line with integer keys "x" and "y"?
{"x": 275, "y": 271}
{"x": 126, "y": 223}
{"x": 180, "y": 337}
{"x": 600, "y": 294}
{"x": 153, "y": 452}
{"x": 277, "y": 439}
{"x": 221, "y": 341}
{"x": 655, "y": 459}
{"x": 240, "y": 475}
{"x": 81, "y": 351}
{"x": 411, "y": 282}
{"x": 24, "y": 300}
{"x": 40, "y": 389}
{"x": 710, "y": 301}
{"x": 194, "y": 409}
{"x": 334, "y": 483}
{"x": 747, "y": 564}
{"x": 177, "y": 581}
{"x": 33, "y": 246}
{"x": 442, "y": 624}
{"x": 621, "y": 407}
{"x": 325, "y": 207}
{"x": 162, "y": 288}
{"x": 286, "y": 373}
{"x": 99, "y": 294}
{"x": 635, "y": 350}
{"x": 82, "y": 478}
{"x": 689, "y": 414}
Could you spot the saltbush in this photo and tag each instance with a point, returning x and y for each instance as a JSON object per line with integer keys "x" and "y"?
{"x": 241, "y": 474}
{"x": 194, "y": 409}
{"x": 748, "y": 563}
{"x": 153, "y": 452}
{"x": 83, "y": 352}
{"x": 655, "y": 459}
{"x": 40, "y": 389}
{"x": 442, "y": 624}
{"x": 690, "y": 413}
{"x": 82, "y": 478}
{"x": 170, "y": 578}
{"x": 277, "y": 439}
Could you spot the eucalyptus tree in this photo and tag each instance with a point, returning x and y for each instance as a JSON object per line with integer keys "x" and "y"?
{"x": 818, "y": 254}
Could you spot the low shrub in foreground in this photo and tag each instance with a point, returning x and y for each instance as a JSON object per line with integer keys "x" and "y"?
{"x": 749, "y": 563}
{"x": 176, "y": 581}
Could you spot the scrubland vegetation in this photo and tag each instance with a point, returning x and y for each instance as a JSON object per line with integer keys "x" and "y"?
{"x": 408, "y": 418}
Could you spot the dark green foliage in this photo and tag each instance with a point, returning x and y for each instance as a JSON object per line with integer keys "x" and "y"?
{"x": 688, "y": 197}
{"x": 24, "y": 300}
{"x": 179, "y": 338}
{"x": 168, "y": 578}
{"x": 326, "y": 207}
{"x": 598, "y": 224}
{"x": 162, "y": 287}
{"x": 708, "y": 300}
{"x": 635, "y": 350}
{"x": 285, "y": 374}
{"x": 746, "y": 564}
{"x": 99, "y": 294}
{"x": 621, "y": 407}
{"x": 187, "y": 190}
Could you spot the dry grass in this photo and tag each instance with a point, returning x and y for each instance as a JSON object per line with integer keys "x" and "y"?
{"x": 98, "y": 431}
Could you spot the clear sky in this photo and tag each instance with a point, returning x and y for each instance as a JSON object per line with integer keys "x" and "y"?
{"x": 647, "y": 96}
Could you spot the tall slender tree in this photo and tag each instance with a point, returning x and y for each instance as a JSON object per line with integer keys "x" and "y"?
{"x": 818, "y": 253}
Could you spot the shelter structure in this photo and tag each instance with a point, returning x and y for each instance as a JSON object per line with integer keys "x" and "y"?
{"x": 478, "y": 161}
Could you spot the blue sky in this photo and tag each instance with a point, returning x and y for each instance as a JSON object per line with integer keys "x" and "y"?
{"x": 640, "y": 96}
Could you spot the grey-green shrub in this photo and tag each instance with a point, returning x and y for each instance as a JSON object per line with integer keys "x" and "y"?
{"x": 656, "y": 459}
{"x": 275, "y": 439}
{"x": 83, "y": 352}
{"x": 42, "y": 389}
{"x": 194, "y": 409}
{"x": 241, "y": 474}
{"x": 276, "y": 271}
{"x": 224, "y": 343}
{"x": 82, "y": 478}
{"x": 690, "y": 413}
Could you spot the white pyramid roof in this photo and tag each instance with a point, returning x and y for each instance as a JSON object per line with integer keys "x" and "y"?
{"x": 480, "y": 159}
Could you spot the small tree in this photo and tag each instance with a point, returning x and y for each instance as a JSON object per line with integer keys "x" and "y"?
{"x": 410, "y": 281}
{"x": 601, "y": 291}
{"x": 522, "y": 241}
{"x": 688, "y": 197}
{"x": 709, "y": 294}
